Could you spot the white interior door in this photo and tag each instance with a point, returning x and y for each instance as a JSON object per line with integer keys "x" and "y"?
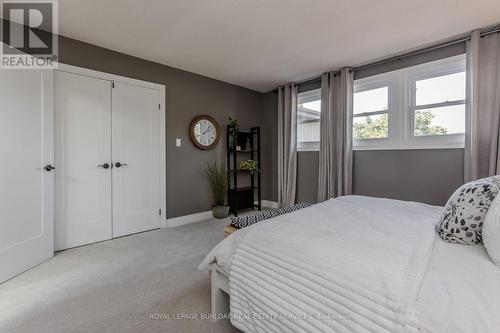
{"x": 26, "y": 188}
{"x": 83, "y": 159}
{"x": 136, "y": 146}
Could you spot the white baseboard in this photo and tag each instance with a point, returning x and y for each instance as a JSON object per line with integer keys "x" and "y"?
{"x": 186, "y": 219}
{"x": 197, "y": 217}
{"x": 269, "y": 204}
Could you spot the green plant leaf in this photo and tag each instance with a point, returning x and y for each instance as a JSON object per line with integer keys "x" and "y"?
{"x": 218, "y": 181}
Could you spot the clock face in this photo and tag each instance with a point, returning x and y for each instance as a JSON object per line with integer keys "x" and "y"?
{"x": 204, "y": 132}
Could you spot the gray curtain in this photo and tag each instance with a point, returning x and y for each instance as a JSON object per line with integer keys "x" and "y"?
{"x": 482, "y": 148}
{"x": 335, "y": 155}
{"x": 287, "y": 144}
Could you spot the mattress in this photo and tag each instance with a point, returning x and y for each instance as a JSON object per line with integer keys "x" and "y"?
{"x": 454, "y": 288}
{"x": 460, "y": 291}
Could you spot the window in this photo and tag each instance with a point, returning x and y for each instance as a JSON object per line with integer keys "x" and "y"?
{"x": 371, "y": 114}
{"x": 417, "y": 107}
{"x": 308, "y": 119}
{"x": 438, "y": 106}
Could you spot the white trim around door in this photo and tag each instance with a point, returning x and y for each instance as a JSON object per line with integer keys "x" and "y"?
{"x": 117, "y": 80}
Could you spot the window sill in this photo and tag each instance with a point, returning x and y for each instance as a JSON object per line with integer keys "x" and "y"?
{"x": 307, "y": 149}
{"x": 410, "y": 147}
{"x": 392, "y": 148}
{"x": 307, "y": 146}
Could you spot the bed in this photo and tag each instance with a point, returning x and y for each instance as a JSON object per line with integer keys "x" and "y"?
{"x": 354, "y": 264}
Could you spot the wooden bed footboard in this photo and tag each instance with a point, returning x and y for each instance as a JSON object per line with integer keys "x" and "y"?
{"x": 219, "y": 292}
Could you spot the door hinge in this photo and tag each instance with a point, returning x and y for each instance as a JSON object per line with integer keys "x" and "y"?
{"x": 112, "y": 84}
{"x": 159, "y": 211}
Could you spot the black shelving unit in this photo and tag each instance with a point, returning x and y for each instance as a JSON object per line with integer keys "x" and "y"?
{"x": 244, "y": 186}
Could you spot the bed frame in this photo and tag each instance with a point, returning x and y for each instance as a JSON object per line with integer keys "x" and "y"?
{"x": 220, "y": 292}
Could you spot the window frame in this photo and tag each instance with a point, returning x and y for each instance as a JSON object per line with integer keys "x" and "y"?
{"x": 435, "y": 69}
{"x": 309, "y": 145}
{"x": 372, "y": 83}
{"x": 402, "y": 103}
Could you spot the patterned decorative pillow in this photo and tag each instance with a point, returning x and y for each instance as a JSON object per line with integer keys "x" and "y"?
{"x": 464, "y": 214}
{"x": 245, "y": 221}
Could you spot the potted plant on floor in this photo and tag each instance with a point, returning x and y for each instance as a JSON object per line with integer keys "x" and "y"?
{"x": 219, "y": 183}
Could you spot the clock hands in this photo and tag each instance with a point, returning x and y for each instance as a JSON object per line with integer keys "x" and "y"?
{"x": 208, "y": 129}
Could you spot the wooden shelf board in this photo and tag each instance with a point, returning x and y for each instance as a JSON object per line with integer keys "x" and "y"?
{"x": 245, "y": 188}
{"x": 244, "y": 151}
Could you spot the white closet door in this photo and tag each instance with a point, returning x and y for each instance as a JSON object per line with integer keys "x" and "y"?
{"x": 136, "y": 146}
{"x": 26, "y": 188}
{"x": 83, "y": 148}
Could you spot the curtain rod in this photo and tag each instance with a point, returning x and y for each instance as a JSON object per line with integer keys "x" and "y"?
{"x": 496, "y": 29}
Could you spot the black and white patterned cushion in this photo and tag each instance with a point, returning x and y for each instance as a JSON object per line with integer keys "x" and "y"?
{"x": 465, "y": 211}
{"x": 245, "y": 221}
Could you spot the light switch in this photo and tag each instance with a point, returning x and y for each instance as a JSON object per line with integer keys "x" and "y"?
{"x": 178, "y": 142}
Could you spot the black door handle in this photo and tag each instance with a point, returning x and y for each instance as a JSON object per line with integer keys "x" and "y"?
{"x": 48, "y": 167}
{"x": 104, "y": 166}
{"x": 118, "y": 164}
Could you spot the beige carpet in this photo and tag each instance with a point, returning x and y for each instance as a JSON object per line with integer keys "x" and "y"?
{"x": 115, "y": 286}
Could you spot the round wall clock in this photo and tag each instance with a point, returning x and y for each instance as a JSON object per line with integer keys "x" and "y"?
{"x": 204, "y": 132}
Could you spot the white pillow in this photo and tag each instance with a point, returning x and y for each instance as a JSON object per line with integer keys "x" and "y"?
{"x": 491, "y": 231}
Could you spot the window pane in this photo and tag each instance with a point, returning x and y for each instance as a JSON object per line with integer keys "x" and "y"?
{"x": 371, "y": 100}
{"x": 308, "y": 116}
{"x": 308, "y": 132}
{"x": 441, "y": 89}
{"x": 440, "y": 121}
{"x": 371, "y": 127}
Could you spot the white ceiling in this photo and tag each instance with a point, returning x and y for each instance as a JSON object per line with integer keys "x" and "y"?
{"x": 260, "y": 44}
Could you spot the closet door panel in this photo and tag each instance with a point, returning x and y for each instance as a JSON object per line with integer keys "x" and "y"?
{"x": 136, "y": 181}
{"x": 83, "y": 146}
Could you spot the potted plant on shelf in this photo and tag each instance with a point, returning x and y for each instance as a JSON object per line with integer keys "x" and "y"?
{"x": 232, "y": 128}
{"x": 233, "y": 122}
{"x": 249, "y": 165}
{"x": 219, "y": 183}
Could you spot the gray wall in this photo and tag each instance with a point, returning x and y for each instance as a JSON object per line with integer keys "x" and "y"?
{"x": 414, "y": 60}
{"x": 421, "y": 175}
{"x": 187, "y": 95}
{"x": 270, "y": 146}
{"x": 307, "y": 176}
{"x": 428, "y": 176}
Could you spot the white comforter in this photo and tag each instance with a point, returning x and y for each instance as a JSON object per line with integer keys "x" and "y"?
{"x": 351, "y": 264}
